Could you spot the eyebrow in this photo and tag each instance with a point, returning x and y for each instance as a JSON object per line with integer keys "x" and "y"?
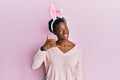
{"x": 62, "y": 28}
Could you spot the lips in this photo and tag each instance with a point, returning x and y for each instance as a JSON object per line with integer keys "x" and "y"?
{"x": 65, "y": 36}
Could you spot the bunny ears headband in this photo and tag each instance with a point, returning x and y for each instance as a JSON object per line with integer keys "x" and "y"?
{"x": 54, "y": 14}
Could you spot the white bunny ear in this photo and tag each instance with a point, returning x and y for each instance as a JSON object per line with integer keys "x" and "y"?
{"x": 53, "y": 13}
{"x": 59, "y": 13}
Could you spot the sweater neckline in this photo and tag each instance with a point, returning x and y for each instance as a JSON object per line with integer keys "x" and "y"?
{"x": 66, "y": 53}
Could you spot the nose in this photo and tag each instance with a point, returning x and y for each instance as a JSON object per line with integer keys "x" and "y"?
{"x": 66, "y": 31}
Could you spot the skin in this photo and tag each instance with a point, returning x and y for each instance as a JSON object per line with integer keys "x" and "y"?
{"x": 62, "y": 33}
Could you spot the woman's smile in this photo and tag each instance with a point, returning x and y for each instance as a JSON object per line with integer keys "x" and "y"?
{"x": 65, "y": 36}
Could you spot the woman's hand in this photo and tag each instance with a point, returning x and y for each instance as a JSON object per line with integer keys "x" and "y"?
{"x": 49, "y": 43}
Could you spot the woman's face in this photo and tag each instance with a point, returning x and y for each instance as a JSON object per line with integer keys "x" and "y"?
{"x": 62, "y": 31}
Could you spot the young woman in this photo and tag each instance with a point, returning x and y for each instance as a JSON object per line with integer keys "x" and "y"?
{"x": 62, "y": 58}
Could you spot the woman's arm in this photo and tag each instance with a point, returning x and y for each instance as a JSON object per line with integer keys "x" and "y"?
{"x": 38, "y": 59}
{"x": 79, "y": 67}
{"x": 40, "y": 56}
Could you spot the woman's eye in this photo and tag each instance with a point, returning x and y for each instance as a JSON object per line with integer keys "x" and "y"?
{"x": 66, "y": 28}
{"x": 59, "y": 30}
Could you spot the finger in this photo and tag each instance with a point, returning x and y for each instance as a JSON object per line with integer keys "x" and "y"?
{"x": 53, "y": 44}
{"x": 48, "y": 37}
{"x": 52, "y": 40}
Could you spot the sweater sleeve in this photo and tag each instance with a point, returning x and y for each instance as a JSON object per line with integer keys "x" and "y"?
{"x": 79, "y": 66}
{"x": 38, "y": 59}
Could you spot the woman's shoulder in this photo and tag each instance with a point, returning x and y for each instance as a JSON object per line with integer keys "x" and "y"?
{"x": 72, "y": 44}
{"x": 78, "y": 47}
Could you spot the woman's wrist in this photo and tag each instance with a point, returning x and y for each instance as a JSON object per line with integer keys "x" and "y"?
{"x": 42, "y": 48}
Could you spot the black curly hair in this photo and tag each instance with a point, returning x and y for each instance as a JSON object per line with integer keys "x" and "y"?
{"x": 55, "y": 24}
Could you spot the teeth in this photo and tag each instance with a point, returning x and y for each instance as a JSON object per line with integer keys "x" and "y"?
{"x": 65, "y": 35}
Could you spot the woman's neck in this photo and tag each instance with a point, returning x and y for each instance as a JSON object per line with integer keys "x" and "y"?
{"x": 62, "y": 42}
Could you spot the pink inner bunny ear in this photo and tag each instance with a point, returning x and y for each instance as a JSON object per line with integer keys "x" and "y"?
{"x": 59, "y": 13}
{"x": 53, "y": 14}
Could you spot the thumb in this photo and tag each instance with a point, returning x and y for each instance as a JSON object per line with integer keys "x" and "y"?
{"x": 48, "y": 37}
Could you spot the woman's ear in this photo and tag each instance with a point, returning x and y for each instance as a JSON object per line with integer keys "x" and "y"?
{"x": 54, "y": 32}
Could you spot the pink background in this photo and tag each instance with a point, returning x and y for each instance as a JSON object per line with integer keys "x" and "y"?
{"x": 94, "y": 25}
